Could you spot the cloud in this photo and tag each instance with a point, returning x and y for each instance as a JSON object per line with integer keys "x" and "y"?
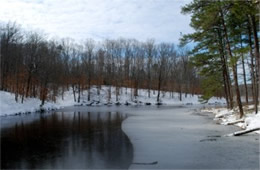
{"x": 100, "y": 19}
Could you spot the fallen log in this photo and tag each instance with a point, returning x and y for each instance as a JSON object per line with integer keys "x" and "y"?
{"x": 142, "y": 163}
{"x": 242, "y": 132}
{"x": 235, "y": 122}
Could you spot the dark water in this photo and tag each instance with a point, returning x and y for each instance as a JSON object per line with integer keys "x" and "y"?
{"x": 65, "y": 140}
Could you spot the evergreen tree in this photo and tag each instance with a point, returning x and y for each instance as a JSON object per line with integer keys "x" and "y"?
{"x": 222, "y": 37}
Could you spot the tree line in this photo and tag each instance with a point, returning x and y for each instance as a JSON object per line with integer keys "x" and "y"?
{"x": 34, "y": 66}
{"x": 226, "y": 33}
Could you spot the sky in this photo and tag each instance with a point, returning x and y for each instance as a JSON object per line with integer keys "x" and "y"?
{"x": 100, "y": 19}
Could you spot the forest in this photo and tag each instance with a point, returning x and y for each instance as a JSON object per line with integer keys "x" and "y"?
{"x": 34, "y": 66}
{"x": 226, "y": 35}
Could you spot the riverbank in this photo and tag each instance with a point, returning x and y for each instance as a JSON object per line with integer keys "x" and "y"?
{"x": 8, "y": 105}
{"x": 249, "y": 121}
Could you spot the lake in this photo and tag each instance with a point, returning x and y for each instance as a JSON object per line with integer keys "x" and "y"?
{"x": 124, "y": 137}
{"x": 65, "y": 140}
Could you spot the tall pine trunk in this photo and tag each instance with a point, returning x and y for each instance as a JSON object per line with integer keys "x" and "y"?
{"x": 252, "y": 68}
{"x": 244, "y": 71}
{"x": 234, "y": 68}
{"x": 225, "y": 73}
{"x": 256, "y": 50}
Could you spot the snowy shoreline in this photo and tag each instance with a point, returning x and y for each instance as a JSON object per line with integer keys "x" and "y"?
{"x": 8, "y": 105}
{"x": 231, "y": 117}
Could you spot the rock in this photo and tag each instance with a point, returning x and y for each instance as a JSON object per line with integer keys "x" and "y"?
{"x": 118, "y": 103}
{"x": 126, "y": 103}
{"x": 108, "y": 103}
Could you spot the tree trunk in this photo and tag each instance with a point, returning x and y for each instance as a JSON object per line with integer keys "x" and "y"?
{"x": 117, "y": 93}
{"x": 256, "y": 44}
{"x": 252, "y": 70}
{"x": 234, "y": 68}
{"x": 89, "y": 85}
{"x": 74, "y": 92}
{"x": 180, "y": 93}
{"x": 158, "y": 90}
{"x": 78, "y": 92}
{"x": 44, "y": 92}
{"x": 226, "y": 78}
{"x": 89, "y": 93}
{"x": 230, "y": 89}
{"x": 244, "y": 72}
{"x": 28, "y": 85}
{"x": 109, "y": 93}
{"x": 98, "y": 89}
{"x": 225, "y": 89}
{"x": 136, "y": 88}
{"x": 149, "y": 83}
{"x": 159, "y": 85}
{"x": 17, "y": 85}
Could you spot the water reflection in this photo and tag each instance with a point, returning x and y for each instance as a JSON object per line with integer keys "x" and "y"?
{"x": 67, "y": 140}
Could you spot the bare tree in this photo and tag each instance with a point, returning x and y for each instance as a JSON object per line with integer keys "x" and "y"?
{"x": 88, "y": 58}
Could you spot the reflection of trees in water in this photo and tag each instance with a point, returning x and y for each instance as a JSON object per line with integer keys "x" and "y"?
{"x": 51, "y": 140}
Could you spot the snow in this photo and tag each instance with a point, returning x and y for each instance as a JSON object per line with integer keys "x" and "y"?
{"x": 222, "y": 113}
{"x": 125, "y": 96}
{"x": 226, "y": 116}
{"x": 253, "y": 121}
{"x": 9, "y": 106}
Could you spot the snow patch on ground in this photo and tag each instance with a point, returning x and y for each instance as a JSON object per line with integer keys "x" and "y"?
{"x": 9, "y": 106}
{"x": 226, "y": 116}
{"x": 142, "y": 98}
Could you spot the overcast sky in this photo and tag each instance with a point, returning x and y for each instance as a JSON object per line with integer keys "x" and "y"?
{"x": 100, "y": 19}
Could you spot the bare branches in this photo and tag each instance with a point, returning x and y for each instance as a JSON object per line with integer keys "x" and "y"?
{"x": 35, "y": 66}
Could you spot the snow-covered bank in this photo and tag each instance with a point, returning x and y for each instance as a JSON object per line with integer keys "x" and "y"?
{"x": 9, "y": 106}
{"x": 228, "y": 117}
{"x": 142, "y": 98}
